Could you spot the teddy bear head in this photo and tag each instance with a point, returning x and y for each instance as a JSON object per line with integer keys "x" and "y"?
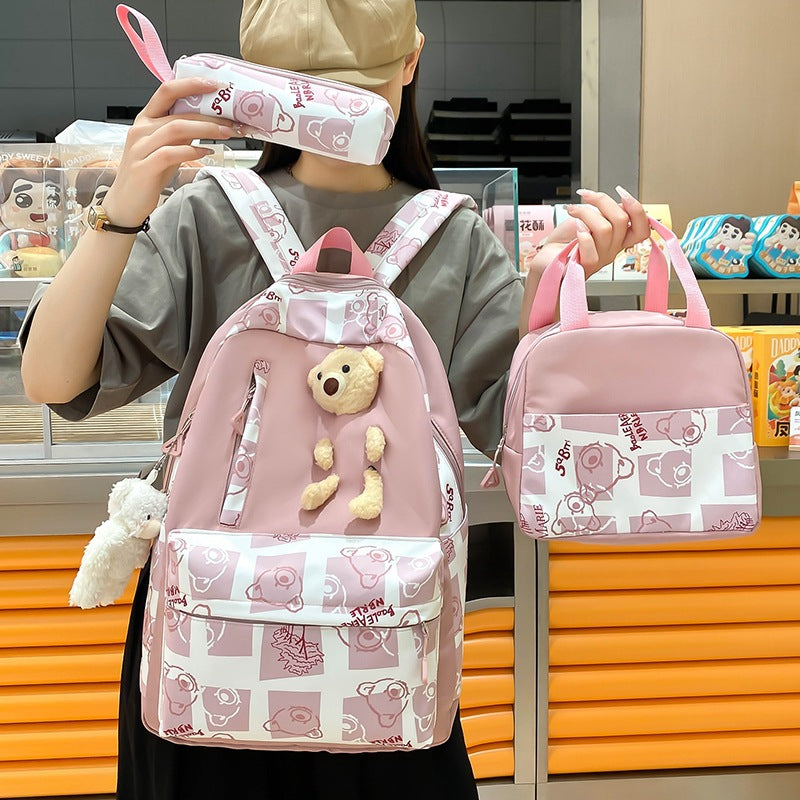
{"x": 137, "y": 507}
{"x": 346, "y": 380}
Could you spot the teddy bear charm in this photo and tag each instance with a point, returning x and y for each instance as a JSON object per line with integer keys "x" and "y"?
{"x": 346, "y": 382}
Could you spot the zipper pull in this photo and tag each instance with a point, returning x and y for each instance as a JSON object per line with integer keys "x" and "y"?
{"x": 174, "y": 446}
{"x": 492, "y": 478}
{"x": 424, "y": 653}
{"x": 239, "y": 417}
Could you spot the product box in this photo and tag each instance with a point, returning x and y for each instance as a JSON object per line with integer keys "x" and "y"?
{"x": 631, "y": 263}
{"x": 794, "y": 429}
{"x": 743, "y": 336}
{"x": 776, "y": 382}
{"x": 535, "y": 225}
{"x": 32, "y": 204}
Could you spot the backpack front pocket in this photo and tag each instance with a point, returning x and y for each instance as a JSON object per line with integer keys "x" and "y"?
{"x": 324, "y": 642}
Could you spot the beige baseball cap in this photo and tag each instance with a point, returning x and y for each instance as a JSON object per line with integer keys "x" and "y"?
{"x": 362, "y": 42}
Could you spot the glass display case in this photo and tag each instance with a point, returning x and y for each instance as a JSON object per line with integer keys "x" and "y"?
{"x": 32, "y": 433}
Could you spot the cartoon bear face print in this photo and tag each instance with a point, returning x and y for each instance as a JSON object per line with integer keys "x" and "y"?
{"x": 575, "y": 514}
{"x": 295, "y": 721}
{"x": 279, "y": 586}
{"x": 271, "y": 220}
{"x": 206, "y": 565}
{"x": 333, "y": 593}
{"x": 352, "y": 106}
{"x": 599, "y": 467}
{"x": 263, "y": 111}
{"x": 536, "y": 461}
{"x": 371, "y": 563}
{"x": 353, "y": 729}
{"x": 414, "y": 574}
{"x": 650, "y": 522}
{"x": 221, "y": 706}
{"x": 539, "y": 422}
{"x": 673, "y": 470}
{"x": 366, "y": 640}
{"x": 386, "y": 698}
{"x": 423, "y": 702}
{"x": 683, "y": 428}
{"x": 332, "y": 135}
{"x": 180, "y": 688}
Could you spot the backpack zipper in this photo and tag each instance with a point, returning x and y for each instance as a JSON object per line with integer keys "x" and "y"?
{"x": 238, "y": 486}
{"x": 451, "y": 458}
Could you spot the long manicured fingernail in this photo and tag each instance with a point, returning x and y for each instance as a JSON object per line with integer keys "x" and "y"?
{"x": 225, "y": 131}
{"x": 582, "y": 227}
{"x": 211, "y": 84}
{"x": 624, "y": 193}
{"x": 584, "y": 192}
{"x": 570, "y": 209}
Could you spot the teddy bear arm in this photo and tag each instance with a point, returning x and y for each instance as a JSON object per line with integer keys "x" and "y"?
{"x": 376, "y": 444}
{"x": 323, "y": 454}
{"x": 369, "y": 504}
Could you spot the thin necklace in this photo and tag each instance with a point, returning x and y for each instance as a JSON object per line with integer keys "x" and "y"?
{"x": 382, "y": 189}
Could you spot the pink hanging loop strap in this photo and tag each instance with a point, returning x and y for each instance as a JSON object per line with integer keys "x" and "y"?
{"x": 148, "y": 46}
{"x": 335, "y": 239}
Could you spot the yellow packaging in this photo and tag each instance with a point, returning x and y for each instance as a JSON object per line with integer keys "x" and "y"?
{"x": 776, "y": 382}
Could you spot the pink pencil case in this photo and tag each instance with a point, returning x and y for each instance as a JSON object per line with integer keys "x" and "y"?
{"x": 325, "y": 117}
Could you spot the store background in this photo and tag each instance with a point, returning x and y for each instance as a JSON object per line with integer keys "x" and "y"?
{"x": 62, "y": 59}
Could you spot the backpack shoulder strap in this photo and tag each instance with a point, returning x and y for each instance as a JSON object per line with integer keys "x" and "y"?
{"x": 262, "y": 216}
{"x": 409, "y": 230}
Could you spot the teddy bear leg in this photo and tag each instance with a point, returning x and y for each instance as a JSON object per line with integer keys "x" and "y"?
{"x": 323, "y": 454}
{"x": 376, "y": 444}
{"x": 315, "y": 494}
{"x": 369, "y": 503}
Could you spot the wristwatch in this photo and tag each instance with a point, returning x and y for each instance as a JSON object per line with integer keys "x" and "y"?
{"x": 98, "y": 221}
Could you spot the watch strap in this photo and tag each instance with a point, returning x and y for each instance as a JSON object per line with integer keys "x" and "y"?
{"x": 108, "y": 226}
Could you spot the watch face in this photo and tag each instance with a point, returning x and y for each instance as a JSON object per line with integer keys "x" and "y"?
{"x": 91, "y": 217}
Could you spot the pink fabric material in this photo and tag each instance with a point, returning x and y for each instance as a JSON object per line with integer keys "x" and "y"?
{"x": 656, "y": 292}
{"x": 148, "y": 46}
{"x": 635, "y": 407}
{"x": 237, "y": 547}
{"x": 337, "y": 239}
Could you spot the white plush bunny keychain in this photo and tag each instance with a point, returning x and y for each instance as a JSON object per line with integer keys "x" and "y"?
{"x": 120, "y": 545}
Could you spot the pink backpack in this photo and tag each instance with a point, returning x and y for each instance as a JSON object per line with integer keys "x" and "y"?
{"x": 307, "y": 588}
{"x": 628, "y": 426}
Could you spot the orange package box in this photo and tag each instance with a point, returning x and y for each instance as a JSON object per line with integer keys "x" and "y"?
{"x": 776, "y": 382}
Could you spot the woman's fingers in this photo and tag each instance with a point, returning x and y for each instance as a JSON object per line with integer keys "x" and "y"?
{"x": 639, "y": 229}
{"x": 587, "y": 248}
{"x": 171, "y": 91}
{"x": 179, "y": 132}
{"x": 172, "y": 156}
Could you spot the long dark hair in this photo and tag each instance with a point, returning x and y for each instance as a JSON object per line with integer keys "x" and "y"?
{"x": 407, "y": 159}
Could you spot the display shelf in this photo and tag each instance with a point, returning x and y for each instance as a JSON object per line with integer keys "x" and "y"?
{"x": 19, "y": 291}
{"x": 709, "y": 286}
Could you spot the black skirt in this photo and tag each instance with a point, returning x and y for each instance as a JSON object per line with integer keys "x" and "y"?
{"x": 151, "y": 768}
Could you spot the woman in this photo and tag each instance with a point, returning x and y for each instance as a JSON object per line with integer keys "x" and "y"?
{"x": 146, "y": 306}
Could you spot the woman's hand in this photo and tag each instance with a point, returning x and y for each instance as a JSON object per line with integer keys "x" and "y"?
{"x": 603, "y": 228}
{"x": 157, "y": 144}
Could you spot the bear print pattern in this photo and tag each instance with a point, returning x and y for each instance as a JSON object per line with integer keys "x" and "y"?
{"x": 690, "y": 470}
{"x": 360, "y": 648}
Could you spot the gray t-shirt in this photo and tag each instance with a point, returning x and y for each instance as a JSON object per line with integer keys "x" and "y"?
{"x": 196, "y": 265}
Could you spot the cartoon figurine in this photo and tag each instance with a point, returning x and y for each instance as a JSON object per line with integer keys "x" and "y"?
{"x": 120, "y": 545}
{"x": 727, "y": 249}
{"x": 346, "y": 382}
{"x": 782, "y": 249}
{"x": 31, "y": 209}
